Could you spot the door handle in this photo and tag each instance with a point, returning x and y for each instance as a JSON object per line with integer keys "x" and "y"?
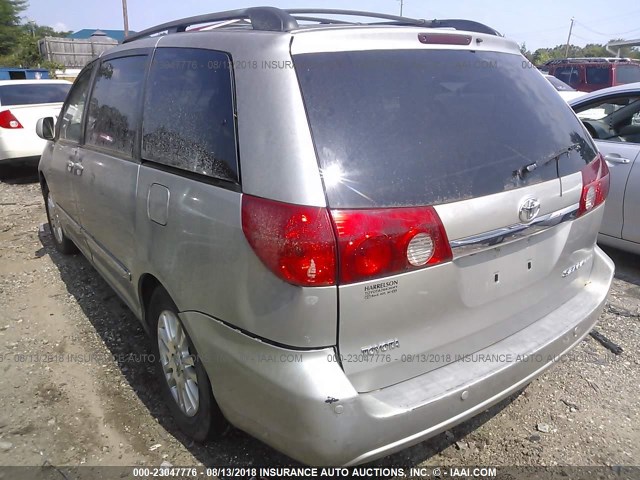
{"x": 615, "y": 158}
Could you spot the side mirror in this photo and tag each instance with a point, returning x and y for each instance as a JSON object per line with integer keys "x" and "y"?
{"x": 45, "y": 128}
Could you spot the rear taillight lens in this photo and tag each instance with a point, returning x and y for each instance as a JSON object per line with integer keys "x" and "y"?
{"x": 595, "y": 185}
{"x": 298, "y": 243}
{"x": 380, "y": 242}
{"x": 295, "y": 242}
{"x": 8, "y": 120}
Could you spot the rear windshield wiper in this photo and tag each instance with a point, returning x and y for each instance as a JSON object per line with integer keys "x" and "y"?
{"x": 522, "y": 171}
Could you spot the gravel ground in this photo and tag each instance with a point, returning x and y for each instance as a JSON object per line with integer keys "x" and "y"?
{"x": 77, "y": 387}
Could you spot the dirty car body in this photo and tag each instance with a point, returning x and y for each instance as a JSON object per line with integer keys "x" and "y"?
{"x": 369, "y": 233}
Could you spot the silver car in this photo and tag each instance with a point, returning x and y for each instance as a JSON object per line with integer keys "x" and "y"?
{"x": 612, "y": 116}
{"x": 344, "y": 238}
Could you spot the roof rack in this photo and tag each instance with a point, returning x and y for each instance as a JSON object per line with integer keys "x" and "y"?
{"x": 456, "y": 24}
{"x": 278, "y": 20}
{"x": 589, "y": 60}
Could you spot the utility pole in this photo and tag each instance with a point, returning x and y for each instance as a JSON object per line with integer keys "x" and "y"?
{"x": 125, "y": 15}
{"x": 401, "y": 5}
{"x": 566, "y": 50}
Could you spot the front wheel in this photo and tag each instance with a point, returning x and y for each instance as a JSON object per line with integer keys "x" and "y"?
{"x": 184, "y": 381}
{"x": 62, "y": 243}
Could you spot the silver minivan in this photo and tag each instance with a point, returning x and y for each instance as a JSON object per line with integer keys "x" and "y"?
{"x": 344, "y": 237}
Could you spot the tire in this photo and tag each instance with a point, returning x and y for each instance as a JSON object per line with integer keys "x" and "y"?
{"x": 193, "y": 407}
{"x": 60, "y": 240}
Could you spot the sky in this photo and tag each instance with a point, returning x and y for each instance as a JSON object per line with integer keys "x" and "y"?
{"x": 539, "y": 24}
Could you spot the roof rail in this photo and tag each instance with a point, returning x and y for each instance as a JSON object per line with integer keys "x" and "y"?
{"x": 355, "y": 13}
{"x": 460, "y": 24}
{"x": 275, "y": 19}
{"x": 589, "y": 60}
{"x": 454, "y": 23}
{"x": 261, "y": 18}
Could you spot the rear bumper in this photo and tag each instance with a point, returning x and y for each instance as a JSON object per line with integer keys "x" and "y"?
{"x": 20, "y": 145}
{"x": 301, "y": 402}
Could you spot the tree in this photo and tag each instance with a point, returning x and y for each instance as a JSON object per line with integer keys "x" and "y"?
{"x": 10, "y": 23}
{"x": 26, "y": 52}
{"x": 543, "y": 55}
{"x": 525, "y": 51}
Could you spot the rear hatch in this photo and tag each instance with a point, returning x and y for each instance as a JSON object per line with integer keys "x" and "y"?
{"x": 484, "y": 141}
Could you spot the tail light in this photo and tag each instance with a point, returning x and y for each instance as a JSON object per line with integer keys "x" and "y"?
{"x": 299, "y": 244}
{"x": 380, "y": 242}
{"x": 295, "y": 242}
{"x": 595, "y": 185}
{"x": 8, "y": 120}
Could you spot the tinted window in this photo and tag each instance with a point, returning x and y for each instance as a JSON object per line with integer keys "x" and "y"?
{"x": 627, "y": 73}
{"x": 599, "y": 75}
{"x": 113, "y": 109}
{"x": 569, "y": 75}
{"x": 189, "y": 118}
{"x": 70, "y": 119}
{"x": 418, "y": 127}
{"x": 31, "y": 94}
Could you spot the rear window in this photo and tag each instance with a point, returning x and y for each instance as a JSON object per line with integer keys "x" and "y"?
{"x": 599, "y": 75}
{"x": 418, "y": 127}
{"x": 32, "y": 94}
{"x": 627, "y": 73}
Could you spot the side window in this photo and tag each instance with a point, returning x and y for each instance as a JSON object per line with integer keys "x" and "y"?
{"x": 113, "y": 108}
{"x": 599, "y": 75}
{"x": 188, "y": 119}
{"x": 70, "y": 120}
{"x": 569, "y": 75}
{"x": 615, "y": 119}
{"x": 627, "y": 73}
{"x": 603, "y": 108}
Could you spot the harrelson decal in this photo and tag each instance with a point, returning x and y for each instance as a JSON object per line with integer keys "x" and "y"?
{"x": 379, "y": 289}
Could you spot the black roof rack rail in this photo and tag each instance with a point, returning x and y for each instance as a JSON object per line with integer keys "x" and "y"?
{"x": 559, "y": 61}
{"x": 323, "y": 21}
{"x": 460, "y": 24}
{"x": 262, "y": 18}
{"x": 455, "y": 23}
{"x": 355, "y": 13}
{"x": 276, "y": 19}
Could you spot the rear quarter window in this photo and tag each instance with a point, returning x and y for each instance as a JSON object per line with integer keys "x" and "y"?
{"x": 189, "y": 120}
{"x": 420, "y": 127}
{"x": 627, "y": 73}
{"x": 598, "y": 75}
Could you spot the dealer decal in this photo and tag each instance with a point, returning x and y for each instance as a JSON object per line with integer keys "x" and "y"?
{"x": 379, "y": 289}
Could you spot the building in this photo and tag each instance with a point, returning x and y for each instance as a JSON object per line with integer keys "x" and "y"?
{"x": 86, "y": 33}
